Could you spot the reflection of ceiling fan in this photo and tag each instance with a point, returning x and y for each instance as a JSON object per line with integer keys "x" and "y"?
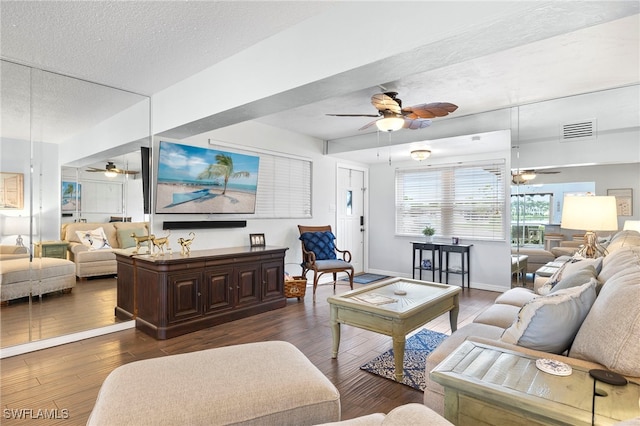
{"x": 111, "y": 170}
{"x": 524, "y": 176}
{"x": 392, "y": 116}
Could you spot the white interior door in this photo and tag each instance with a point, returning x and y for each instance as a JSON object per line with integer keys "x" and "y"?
{"x": 351, "y": 220}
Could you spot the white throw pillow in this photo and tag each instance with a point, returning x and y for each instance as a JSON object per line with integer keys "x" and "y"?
{"x": 95, "y": 239}
{"x": 550, "y": 323}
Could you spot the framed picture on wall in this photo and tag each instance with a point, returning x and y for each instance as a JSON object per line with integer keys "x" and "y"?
{"x": 11, "y": 191}
{"x": 70, "y": 196}
{"x": 256, "y": 240}
{"x": 624, "y": 200}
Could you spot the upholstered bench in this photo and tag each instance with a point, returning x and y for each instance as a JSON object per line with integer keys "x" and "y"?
{"x": 19, "y": 277}
{"x": 519, "y": 266}
{"x": 264, "y": 383}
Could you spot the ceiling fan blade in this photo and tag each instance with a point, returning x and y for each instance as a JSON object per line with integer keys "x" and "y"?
{"x": 384, "y": 102}
{"x": 94, "y": 170}
{"x": 415, "y": 124}
{"x": 354, "y": 115}
{"x": 125, "y": 172}
{"x": 435, "y": 109}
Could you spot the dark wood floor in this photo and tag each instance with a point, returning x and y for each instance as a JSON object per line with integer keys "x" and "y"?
{"x": 68, "y": 377}
{"x": 88, "y": 306}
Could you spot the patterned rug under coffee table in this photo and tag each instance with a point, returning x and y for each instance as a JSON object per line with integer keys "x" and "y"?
{"x": 417, "y": 348}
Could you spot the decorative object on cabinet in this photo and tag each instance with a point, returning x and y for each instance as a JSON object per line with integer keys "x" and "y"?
{"x": 185, "y": 244}
{"x": 257, "y": 240}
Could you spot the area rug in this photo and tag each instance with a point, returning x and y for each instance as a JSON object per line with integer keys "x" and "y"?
{"x": 366, "y": 278}
{"x": 416, "y": 350}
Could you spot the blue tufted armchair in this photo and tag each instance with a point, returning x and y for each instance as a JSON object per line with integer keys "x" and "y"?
{"x": 319, "y": 254}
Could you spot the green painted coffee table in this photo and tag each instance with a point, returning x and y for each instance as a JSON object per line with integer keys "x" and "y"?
{"x": 367, "y": 308}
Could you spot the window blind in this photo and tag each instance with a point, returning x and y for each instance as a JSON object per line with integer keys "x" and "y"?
{"x": 284, "y": 187}
{"x": 461, "y": 200}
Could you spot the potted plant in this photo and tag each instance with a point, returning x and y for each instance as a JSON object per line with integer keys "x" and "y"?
{"x": 428, "y": 232}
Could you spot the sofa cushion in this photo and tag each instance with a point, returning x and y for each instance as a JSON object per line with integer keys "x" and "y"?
{"x": 321, "y": 243}
{"x": 610, "y": 334}
{"x": 94, "y": 239}
{"x": 516, "y": 296}
{"x": 550, "y": 323}
{"x": 125, "y": 240}
{"x": 573, "y": 266}
{"x": 499, "y": 315}
{"x": 68, "y": 231}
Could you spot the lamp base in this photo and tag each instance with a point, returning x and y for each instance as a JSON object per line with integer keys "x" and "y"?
{"x": 19, "y": 241}
{"x": 591, "y": 249}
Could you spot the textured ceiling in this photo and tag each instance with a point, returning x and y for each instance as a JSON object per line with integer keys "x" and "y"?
{"x": 533, "y": 51}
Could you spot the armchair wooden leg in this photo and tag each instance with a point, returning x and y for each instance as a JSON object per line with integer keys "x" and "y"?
{"x": 316, "y": 276}
{"x": 335, "y": 280}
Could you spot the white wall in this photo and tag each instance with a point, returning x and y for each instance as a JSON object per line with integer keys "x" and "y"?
{"x": 392, "y": 255}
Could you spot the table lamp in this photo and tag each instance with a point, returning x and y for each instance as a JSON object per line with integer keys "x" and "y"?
{"x": 590, "y": 213}
{"x": 17, "y": 225}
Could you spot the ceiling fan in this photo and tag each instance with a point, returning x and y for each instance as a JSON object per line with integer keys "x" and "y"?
{"x": 111, "y": 170}
{"x": 523, "y": 176}
{"x": 392, "y": 116}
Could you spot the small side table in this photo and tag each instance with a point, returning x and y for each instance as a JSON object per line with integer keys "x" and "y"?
{"x": 55, "y": 249}
{"x": 496, "y": 386}
{"x": 464, "y": 254}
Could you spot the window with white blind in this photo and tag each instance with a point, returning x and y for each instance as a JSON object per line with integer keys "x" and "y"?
{"x": 284, "y": 187}
{"x": 461, "y": 200}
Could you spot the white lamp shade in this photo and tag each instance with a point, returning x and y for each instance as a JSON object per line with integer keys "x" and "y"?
{"x": 16, "y": 225}
{"x": 632, "y": 225}
{"x": 590, "y": 213}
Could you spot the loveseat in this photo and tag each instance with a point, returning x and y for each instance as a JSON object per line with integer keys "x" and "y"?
{"x": 605, "y": 334}
{"x": 92, "y": 245}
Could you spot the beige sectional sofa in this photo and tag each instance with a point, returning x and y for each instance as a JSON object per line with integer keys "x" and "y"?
{"x": 608, "y": 337}
{"x": 99, "y": 260}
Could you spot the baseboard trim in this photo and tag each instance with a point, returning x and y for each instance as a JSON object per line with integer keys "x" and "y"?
{"x": 61, "y": 340}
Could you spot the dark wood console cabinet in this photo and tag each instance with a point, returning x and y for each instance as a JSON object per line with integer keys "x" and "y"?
{"x": 172, "y": 295}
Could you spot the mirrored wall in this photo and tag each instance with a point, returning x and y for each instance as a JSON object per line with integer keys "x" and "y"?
{"x": 58, "y": 135}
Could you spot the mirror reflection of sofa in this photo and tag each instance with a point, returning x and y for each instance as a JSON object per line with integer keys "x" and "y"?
{"x": 21, "y": 276}
{"x": 92, "y": 245}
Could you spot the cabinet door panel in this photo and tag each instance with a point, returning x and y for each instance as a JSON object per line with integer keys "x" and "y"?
{"x": 219, "y": 291}
{"x": 272, "y": 279}
{"x": 247, "y": 284}
{"x": 184, "y": 296}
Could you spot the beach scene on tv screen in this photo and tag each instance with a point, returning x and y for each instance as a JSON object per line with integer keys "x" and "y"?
{"x": 193, "y": 179}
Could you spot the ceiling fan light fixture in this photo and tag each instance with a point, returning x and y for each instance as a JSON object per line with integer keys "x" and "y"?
{"x": 527, "y": 176}
{"x": 110, "y": 174}
{"x": 110, "y": 170}
{"x": 420, "y": 154}
{"x": 390, "y": 124}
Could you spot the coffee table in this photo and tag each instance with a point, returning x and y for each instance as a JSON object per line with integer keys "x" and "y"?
{"x": 379, "y": 308}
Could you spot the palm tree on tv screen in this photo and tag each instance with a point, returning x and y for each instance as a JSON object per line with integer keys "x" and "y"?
{"x": 223, "y": 167}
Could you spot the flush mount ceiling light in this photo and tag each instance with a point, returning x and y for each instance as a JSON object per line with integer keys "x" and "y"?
{"x": 420, "y": 154}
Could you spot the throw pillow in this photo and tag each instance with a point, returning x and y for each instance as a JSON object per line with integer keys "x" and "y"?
{"x": 550, "y": 323}
{"x": 321, "y": 243}
{"x": 577, "y": 278}
{"x": 610, "y": 335}
{"x": 95, "y": 239}
{"x": 126, "y": 240}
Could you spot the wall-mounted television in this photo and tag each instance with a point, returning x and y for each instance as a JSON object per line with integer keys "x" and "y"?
{"x": 193, "y": 179}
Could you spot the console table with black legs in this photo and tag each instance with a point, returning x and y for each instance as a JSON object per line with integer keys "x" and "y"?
{"x": 439, "y": 253}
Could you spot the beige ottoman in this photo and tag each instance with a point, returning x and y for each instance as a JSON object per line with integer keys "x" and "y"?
{"x": 19, "y": 277}
{"x": 265, "y": 383}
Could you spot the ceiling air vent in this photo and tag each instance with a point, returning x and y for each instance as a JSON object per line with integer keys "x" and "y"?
{"x": 580, "y": 131}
